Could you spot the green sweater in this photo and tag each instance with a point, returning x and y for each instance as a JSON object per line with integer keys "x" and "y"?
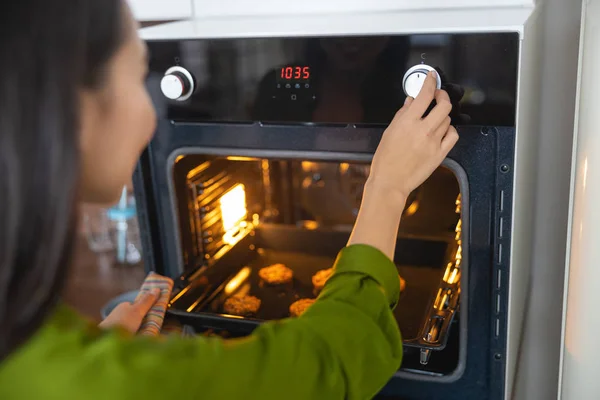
{"x": 346, "y": 346}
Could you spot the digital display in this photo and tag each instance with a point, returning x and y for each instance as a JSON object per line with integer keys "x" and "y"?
{"x": 294, "y": 73}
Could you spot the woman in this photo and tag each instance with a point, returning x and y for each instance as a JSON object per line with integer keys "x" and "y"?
{"x": 74, "y": 117}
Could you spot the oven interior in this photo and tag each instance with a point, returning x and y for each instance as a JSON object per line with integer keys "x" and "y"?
{"x": 240, "y": 214}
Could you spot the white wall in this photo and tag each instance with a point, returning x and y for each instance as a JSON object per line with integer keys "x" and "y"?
{"x": 538, "y": 370}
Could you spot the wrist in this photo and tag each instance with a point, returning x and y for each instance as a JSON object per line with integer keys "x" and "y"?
{"x": 382, "y": 200}
{"x": 383, "y": 192}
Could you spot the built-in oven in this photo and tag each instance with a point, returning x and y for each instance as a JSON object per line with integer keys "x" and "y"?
{"x": 261, "y": 153}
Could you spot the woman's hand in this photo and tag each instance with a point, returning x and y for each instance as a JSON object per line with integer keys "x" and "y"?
{"x": 130, "y": 315}
{"x": 412, "y": 147}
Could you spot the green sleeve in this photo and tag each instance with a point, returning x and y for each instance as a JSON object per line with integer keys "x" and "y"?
{"x": 346, "y": 346}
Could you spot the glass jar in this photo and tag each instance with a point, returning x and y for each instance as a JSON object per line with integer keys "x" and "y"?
{"x": 124, "y": 232}
{"x": 96, "y": 226}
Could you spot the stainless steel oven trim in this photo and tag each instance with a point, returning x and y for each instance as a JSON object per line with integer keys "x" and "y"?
{"x": 452, "y": 165}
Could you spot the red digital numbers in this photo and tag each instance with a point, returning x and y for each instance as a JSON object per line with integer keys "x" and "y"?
{"x": 305, "y": 72}
{"x": 296, "y": 73}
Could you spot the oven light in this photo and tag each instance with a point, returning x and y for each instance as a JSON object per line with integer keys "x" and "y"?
{"x": 233, "y": 207}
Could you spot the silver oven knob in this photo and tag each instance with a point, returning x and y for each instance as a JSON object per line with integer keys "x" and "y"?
{"x": 415, "y": 77}
{"x": 177, "y": 84}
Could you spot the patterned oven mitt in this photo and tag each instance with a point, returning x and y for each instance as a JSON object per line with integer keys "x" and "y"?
{"x": 153, "y": 321}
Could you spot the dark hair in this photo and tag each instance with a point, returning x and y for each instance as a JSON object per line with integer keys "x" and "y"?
{"x": 49, "y": 52}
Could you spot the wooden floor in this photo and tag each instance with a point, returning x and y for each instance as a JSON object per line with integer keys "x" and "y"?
{"x": 94, "y": 280}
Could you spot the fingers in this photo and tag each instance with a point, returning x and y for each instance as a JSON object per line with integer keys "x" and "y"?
{"x": 425, "y": 96}
{"x": 442, "y": 128}
{"x": 115, "y": 316}
{"x": 130, "y": 316}
{"x": 449, "y": 140}
{"x": 118, "y": 310}
{"x": 440, "y": 112}
{"x": 145, "y": 302}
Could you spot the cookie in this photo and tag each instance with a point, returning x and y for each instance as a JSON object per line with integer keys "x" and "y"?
{"x": 320, "y": 278}
{"x": 243, "y": 305}
{"x": 298, "y": 307}
{"x": 276, "y": 274}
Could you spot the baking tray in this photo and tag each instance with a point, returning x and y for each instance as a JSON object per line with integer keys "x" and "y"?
{"x": 421, "y": 261}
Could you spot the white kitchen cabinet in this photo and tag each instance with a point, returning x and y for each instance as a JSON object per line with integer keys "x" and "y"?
{"x": 161, "y": 10}
{"x": 209, "y": 8}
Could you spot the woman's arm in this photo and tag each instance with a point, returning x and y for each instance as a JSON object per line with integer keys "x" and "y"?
{"x": 346, "y": 346}
{"x": 410, "y": 150}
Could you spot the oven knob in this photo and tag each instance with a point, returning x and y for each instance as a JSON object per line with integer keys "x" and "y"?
{"x": 177, "y": 84}
{"x": 415, "y": 77}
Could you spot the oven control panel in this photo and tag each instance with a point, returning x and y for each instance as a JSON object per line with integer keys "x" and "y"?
{"x": 414, "y": 79}
{"x": 341, "y": 81}
{"x": 178, "y": 83}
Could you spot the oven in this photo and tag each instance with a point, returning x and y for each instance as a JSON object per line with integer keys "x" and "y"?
{"x": 262, "y": 149}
